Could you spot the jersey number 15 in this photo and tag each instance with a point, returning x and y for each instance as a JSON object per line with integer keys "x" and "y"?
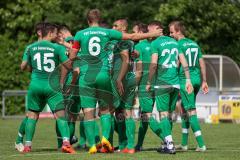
{"x": 48, "y": 63}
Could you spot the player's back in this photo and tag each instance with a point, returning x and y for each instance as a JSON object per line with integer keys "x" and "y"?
{"x": 168, "y": 50}
{"x": 44, "y": 56}
{"x": 93, "y": 42}
{"x": 192, "y": 53}
{"x": 144, "y": 49}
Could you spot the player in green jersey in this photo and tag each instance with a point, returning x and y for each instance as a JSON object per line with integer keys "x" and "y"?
{"x": 146, "y": 99}
{"x": 43, "y": 57}
{"x": 124, "y": 84}
{"x": 24, "y": 66}
{"x": 72, "y": 104}
{"x": 39, "y": 27}
{"x": 94, "y": 81}
{"x": 72, "y": 101}
{"x": 165, "y": 56}
{"x": 197, "y": 69}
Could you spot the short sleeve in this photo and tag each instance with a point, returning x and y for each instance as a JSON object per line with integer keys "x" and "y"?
{"x": 139, "y": 50}
{"x": 28, "y": 57}
{"x": 113, "y": 34}
{"x": 77, "y": 37}
{"x": 154, "y": 47}
{"x": 62, "y": 53}
{"x": 25, "y": 54}
{"x": 200, "y": 52}
{"x": 180, "y": 50}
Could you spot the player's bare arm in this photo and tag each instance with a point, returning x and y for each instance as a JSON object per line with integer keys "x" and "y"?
{"x": 67, "y": 66}
{"x": 124, "y": 68}
{"x": 73, "y": 83}
{"x": 139, "y": 36}
{"x": 189, "y": 87}
{"x": 25, "y": 67}
{"x": 203, "y": 75}
{"x": 139, "y": 70}
{"x": 152, "y": 70}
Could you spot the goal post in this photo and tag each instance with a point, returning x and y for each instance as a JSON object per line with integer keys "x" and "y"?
{"x": 17, "y": 93}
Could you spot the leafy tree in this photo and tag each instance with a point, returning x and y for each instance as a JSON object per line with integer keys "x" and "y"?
{"x": 73, "y": 12}
{"x": 214, "y": 24}
{"x": 18, "y": 18}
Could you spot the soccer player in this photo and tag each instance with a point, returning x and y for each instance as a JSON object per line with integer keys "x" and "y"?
{"x": 95, "y": 82}
{"x": 24, "y": 66}
{"x": 146, "y": 99}
{"x": 197, "y": 69}
{"x": 43, "y": 57}
{"x": 72, "y": 103}
{"x": 164, "y": 60}
{"x": 125, "y": 85}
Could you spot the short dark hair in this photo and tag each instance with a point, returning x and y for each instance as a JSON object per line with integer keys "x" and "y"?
{"x": 104, "y": 24}
{"x": 123, "y": 22}
{"x": 156, "y": 23}
{"x": 39, "y": 27}
{"x": 63, "y": 27}
{"x": 48, "y": 27}
{"x": 178, "y": 26}
{"x": 94, "y": 15}
{"x": 141, "y": 26}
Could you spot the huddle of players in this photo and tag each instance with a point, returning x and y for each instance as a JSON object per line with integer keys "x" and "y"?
{"x": 105, "y": 75}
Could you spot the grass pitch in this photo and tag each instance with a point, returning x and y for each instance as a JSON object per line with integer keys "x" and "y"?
{"x": 222, "y": 141}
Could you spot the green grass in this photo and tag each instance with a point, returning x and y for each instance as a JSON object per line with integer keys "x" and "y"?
{"x": 222, "y": 140}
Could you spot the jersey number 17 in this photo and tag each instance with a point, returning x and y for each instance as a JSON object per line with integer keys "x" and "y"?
{"x": 192, "y": 54}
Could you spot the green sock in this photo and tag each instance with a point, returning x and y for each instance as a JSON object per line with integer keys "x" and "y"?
{"x": 106, "y": 125}
{"x": 59, "y": 137}
{"x": 122, "y": 138}
{"x": 30, "y": 130}
{"x": 90, "y": 131}
{"x": 196, "y": 130}
{"x": 21, "y": 131}
{"x": 112, "y": 129}
{"x": 156, "y": 127}
{"x": 71, "y": 126}
{"x": 185, "y": 127}
{"x": 82, "y": 138}
{"x": 130, "y": 132}
{"x": 97, "y": 138}
{"x": 166, "y": 127}
{"x": 142, "y": 132}
{"x": 63, "y": 128}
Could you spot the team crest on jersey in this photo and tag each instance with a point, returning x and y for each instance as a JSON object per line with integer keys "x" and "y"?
{"x": 147, "y": 48}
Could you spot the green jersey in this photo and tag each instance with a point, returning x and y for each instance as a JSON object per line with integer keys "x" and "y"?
{"x": 68, "y": 39}
{"x": 168, "y": 50}
{"x": 25, "y": 53}
{"x": 144, "y": 49}
{"x": 94, "y": 56}
{"x": 192, "y": 53}
{"x": 44, "y": 57}
{"x": 117, "y": 60}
